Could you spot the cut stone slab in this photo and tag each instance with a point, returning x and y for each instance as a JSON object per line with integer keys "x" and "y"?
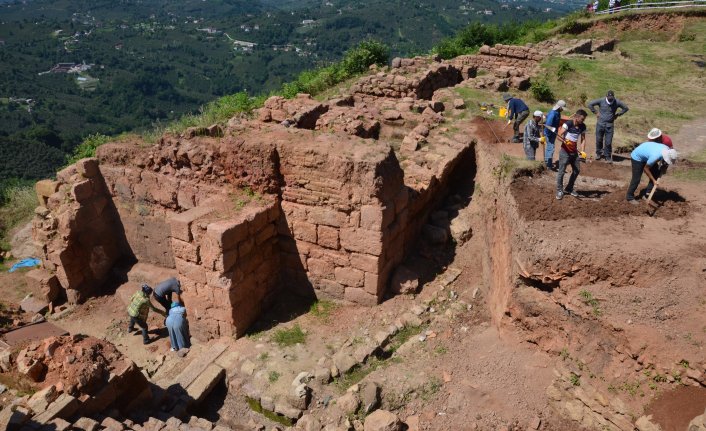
{"x": 64, "y": 406}
{"x": 33, "y": 305}
{"x": 199, "y": 364}
{"x": 287, "y": 411}
{"x": 205, "y": 382}
{"x": 382, "y": 420}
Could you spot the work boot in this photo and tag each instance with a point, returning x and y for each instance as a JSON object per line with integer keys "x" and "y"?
{"x": 573, "y": 193}
{"x": 633, "y": 201}
{"x": 559, "y": 195}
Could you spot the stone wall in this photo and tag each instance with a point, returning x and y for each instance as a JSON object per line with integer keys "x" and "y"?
{"x": 420, "y": 85}
{"x": 77, "y": 229}
{"x": 228, "y": 263}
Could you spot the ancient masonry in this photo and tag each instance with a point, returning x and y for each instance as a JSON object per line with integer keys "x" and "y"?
{"x": 316, "y": 198}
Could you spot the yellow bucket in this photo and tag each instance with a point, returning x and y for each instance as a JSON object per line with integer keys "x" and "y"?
{"x": 502, "y": 112}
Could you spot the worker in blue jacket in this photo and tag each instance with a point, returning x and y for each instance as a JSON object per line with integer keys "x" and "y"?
{"x": 552, "y": 123}
{"x": 517, "y": 110}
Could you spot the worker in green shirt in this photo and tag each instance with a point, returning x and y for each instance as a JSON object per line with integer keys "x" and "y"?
{"x": 139, "y": 309}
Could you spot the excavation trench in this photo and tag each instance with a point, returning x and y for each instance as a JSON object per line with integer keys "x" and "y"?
{"x": 559, "y": 288}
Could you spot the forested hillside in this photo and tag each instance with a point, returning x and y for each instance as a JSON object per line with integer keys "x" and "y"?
{"x": 71, "y": 68}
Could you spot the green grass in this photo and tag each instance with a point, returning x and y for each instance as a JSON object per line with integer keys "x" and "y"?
{"x": 289, "y": 337}
{"x": 18, "y": 203}
{"x": 588, "y": 299}
{"x": 575, "y": 379}
{"x": 638, "y": 79}
{"x": 512, "y": 167}
{"x": 322, "y": 309}
{"x": 273, "y": 376}
{"x": 403, "y": 336}
{"x": 257, "y": 408}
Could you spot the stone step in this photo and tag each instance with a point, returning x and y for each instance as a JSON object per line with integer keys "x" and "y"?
{"x": 205, "y": 382}
{"x": 62, "y": 407}
{"x": 199, "y": 364}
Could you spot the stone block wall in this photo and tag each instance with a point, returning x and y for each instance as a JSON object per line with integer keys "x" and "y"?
{"x": 420, "y": 85}
{"x": 337, "y": 204}
{"x": 77, "y": 229}
{"x": 228, "y": 263}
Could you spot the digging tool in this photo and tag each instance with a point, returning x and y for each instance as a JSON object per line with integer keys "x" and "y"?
{"x": 650, "y": 203}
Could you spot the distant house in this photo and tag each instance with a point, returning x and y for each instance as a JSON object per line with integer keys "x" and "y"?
{"x": 488, "y": 12}
{"x": 209, "y": 30}
{"x": 308, "y": 22}
{"x": 118, "y": 46}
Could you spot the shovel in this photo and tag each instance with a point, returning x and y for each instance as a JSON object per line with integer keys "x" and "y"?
{"x": 652, "y": 205}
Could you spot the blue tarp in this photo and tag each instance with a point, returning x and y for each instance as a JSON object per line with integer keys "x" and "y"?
{"x": 26, "y": 263}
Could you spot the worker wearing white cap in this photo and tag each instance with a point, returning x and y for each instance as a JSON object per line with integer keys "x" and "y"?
{"x": 553, "y": 120}
{"x": 645, "y": 158}
{"x": 532, "y": 135}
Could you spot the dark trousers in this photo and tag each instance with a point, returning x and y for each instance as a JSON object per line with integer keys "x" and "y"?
{"x": 604, "y": 140}
{"x": 142, "y": 324}
{"x": 637, "y": 169}
{"x": 567, "y": 159}
{"x": 522, "y": 116}
{"x": 165, "y": 301}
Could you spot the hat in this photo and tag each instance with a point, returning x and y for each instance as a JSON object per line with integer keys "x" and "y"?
{"x": 610, "y": 93}
{"x": 654, "y": 133}
{"x": 146, "y": 289}
{"x": 559, "y": 105}
{"x": 670, "y": 156}
{"x": 507, "y": 97}
{"x": 538, "y": 113}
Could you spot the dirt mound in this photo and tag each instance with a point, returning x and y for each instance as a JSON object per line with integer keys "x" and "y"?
{"x": 671, "y": 23}
{"x": 78, "y": 364}
{"x": 536, "y": 201}
{"x": 673, "y": 410}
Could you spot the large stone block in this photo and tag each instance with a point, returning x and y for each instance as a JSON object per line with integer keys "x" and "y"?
{"x": 88, "y": 168}
{"x": 359, "y": 296}
{"x": 304, "y": 231}
{"x": 328, "y": 237}
{"x": 44, "y": 189}
{"x": 228, "y": 233}
{"x": 326, "y": 216}
{"x": 320, "y": 268}
{"x": 365, "y": 262}
{"x": 185, "y": 250}
{"x": 362, "y": 241}
{"x": 82, "y": 191}
{"x": 181, "y": 224}
{"x": 191, "y": 270}
{"x": 44, "y": 284}
{"x": 350, "y": 276}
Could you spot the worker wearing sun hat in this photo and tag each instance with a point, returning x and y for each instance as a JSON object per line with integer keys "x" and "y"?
{"x": 656, "y": 135}
{"x": 532, "y": 135}
{"x": 553, "y": 121}
{"x": 645, "y": 158}
{"x": 516, "y": 110}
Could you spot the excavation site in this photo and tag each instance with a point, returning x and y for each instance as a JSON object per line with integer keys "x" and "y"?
{"x": 379, "y": 259}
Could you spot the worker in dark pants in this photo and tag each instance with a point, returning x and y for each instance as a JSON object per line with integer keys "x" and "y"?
{"x": 606, "y": 109}
{"x": 139, "y": 309}
{"x": 168, "y": 291}
{"x": 517, "y": 110}
{"x": 645, "y": 158}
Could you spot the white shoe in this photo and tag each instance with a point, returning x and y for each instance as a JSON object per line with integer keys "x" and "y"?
{"x": 172, "y": 349}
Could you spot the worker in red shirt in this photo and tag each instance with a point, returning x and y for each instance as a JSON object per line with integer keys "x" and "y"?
{"x": 660, "y": 168}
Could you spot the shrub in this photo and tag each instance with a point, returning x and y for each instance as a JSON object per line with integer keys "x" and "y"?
{"x": 542, "y": 92}
{"x": 354, "y": 62}
{"x": 686, "y": 37}
{"x": 87, "y": 148}
{"x": 563, "y": 70}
